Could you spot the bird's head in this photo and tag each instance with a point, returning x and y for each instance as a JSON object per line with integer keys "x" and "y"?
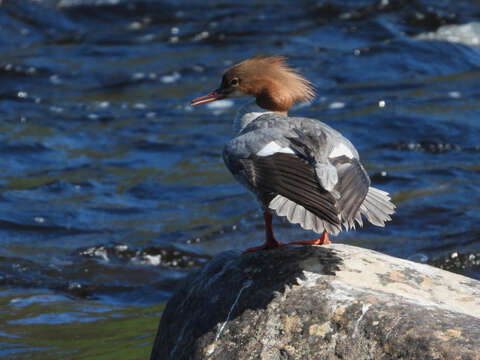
{"x": 269, "y": 79}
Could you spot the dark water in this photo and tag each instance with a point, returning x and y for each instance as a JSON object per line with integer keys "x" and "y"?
{"x": 113, "y": 187}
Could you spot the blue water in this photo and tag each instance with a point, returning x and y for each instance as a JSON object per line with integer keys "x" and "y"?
{"x": 112, "y": 185}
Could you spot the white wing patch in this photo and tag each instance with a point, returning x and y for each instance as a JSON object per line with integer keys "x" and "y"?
{"x": 341, "y": 150}
{"x": 272, "y": 148}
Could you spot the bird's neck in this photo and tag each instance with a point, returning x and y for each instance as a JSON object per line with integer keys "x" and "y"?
{"x": 246, "y": 114}
{"x": 274, "y": 96}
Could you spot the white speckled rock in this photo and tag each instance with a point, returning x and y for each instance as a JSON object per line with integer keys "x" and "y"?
{"x": 320, "y": 302}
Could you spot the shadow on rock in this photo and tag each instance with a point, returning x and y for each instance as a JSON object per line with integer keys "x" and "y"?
{"x": 229, "y": 286}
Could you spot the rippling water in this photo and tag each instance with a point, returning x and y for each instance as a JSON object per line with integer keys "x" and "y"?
{"x": 113, "y": 187}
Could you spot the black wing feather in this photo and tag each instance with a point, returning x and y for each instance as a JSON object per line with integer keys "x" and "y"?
{"x": 294, "y": 178}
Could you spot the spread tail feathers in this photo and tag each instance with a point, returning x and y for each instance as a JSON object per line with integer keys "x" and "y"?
{"x": 376, "y": 207}
{"x": 297, "y": 214}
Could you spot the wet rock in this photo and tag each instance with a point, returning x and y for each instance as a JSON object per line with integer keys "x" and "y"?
{"x": 461, "y": 263}
{"x": 168, "y": 256}
{"x": 314, "y": 302}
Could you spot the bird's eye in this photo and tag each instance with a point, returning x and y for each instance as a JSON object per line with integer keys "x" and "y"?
{"x": 234, "y": 82}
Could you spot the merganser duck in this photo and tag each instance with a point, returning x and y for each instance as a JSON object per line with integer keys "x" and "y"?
{"x": 297, "y": 167}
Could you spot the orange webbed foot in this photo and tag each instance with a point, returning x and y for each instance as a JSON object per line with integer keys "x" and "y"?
{"x": 322, "y": 240}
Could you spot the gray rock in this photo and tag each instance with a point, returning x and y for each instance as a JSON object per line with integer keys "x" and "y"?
{"x": 320, "y": 302}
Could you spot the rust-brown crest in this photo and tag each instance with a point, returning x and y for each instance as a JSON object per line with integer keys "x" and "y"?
{"x": 275, "y": 85}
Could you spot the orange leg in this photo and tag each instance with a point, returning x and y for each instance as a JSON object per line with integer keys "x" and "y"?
{"x": 322, "y": 240}
{"x": 270, "y": 242}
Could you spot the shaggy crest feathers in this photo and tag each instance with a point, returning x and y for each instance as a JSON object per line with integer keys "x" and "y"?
{"x": 276, "y": 85}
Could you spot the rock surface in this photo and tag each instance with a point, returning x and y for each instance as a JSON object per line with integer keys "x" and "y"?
{"x": 320, "y": 302}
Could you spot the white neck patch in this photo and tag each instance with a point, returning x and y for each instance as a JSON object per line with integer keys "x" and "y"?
{"x": 246, "y": 114}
